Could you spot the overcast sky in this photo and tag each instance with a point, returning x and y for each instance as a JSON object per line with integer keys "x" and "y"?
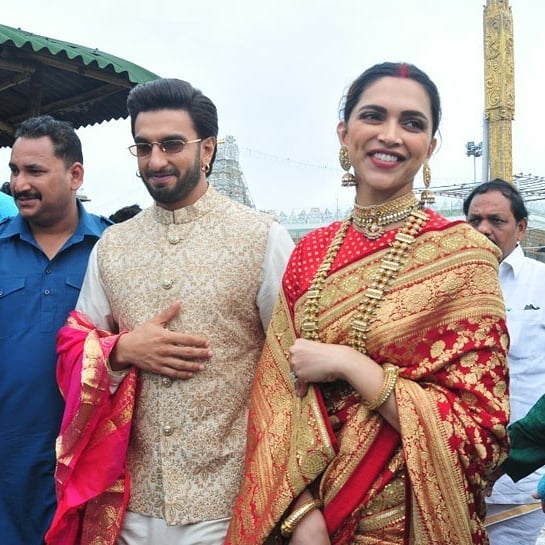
{"x": 277, "y": 71}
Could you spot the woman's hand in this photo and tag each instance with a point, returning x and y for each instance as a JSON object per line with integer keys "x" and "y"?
{"x": 536, "y": 496}
{"x": 539, "y": 494}
{"x": 313, "y": 361}
{"x": 311, "y": 530}
{"x": 317, "y": 362}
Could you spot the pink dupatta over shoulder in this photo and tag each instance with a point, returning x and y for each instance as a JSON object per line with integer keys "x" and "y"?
{"x": 91, "y": 476}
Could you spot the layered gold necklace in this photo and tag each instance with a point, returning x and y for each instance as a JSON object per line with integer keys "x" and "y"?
{"x": 390, "y": 265}
{"x": 371, "y": 220}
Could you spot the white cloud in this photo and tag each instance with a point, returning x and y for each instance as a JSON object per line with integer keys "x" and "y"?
{"x": 277, "y": 70}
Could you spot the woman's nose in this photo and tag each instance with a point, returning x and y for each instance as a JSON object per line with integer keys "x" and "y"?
{"x": 390, "y": 134}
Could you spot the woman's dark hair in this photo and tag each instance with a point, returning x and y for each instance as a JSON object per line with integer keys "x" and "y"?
{"x": 175, "y": 94}
{"x": 66, "y": 143}
{"x": 508, "y": 190}
{"x": 396, "y": 70}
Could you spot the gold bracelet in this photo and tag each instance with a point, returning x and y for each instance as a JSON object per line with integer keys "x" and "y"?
{"x": 293, "y": 519}
{"x": 112, "y": 372}
{"x": 390, "y": 379}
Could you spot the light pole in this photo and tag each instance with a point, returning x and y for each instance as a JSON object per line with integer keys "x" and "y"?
{"x": 475, "y": 150}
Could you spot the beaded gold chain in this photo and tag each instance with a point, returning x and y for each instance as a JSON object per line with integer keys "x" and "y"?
{"x": 390, "y": 265}
{"x": 371, "y": 220}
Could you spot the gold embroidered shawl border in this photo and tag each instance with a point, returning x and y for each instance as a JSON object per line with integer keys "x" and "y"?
{"x": 101, "y": 518}
{"x": 352, "y": 449}
{"x": 308, "y": 445}
{"x": 94, "y": 380}
{"x": 435, "y": 474}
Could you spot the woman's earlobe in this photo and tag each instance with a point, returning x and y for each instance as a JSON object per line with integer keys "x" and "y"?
{"x": 341, "y": 132}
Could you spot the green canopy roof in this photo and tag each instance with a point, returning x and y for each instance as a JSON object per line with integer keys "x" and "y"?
{"x": 41, "y": 75}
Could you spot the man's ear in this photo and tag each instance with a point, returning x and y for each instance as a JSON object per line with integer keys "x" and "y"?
{"x": 207, "y": 149}
{"x": 76, "y": 175}
{"x": 521, "y": 226}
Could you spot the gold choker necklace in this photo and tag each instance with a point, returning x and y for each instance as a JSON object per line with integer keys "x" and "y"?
{"x": 371, "y": 220}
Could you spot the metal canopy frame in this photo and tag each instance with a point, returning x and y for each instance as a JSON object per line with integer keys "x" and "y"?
{"x": 41, "y": 75}
{"x": 532, "y": 188}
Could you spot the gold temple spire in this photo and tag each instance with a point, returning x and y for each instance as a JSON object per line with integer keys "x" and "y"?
{"x": 499, "y": 87}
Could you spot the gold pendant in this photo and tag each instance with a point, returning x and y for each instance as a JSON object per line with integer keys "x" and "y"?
{"x": 372, "y": 231}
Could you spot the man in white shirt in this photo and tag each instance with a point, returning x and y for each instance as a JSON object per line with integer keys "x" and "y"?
{"x": 497, "y": 210}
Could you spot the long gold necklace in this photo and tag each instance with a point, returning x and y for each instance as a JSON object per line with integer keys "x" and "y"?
{"x": 371, "y": 220}
{"x": 390, "y": 265}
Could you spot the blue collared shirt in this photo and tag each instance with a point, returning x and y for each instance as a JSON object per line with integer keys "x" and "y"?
{"x": 8, "y": 208}
{"x": 36, "y": 294}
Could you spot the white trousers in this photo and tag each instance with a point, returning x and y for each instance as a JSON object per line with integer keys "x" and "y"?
{"x": 520, "y": 530}
{"x": 141, "y": 530}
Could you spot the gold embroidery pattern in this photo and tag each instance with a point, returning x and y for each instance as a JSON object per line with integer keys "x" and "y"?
{"x": 359, "y": 431}
{"x": 192, "y": 471}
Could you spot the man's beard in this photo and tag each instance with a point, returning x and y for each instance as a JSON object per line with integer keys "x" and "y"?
{"x": 185, "y": 184}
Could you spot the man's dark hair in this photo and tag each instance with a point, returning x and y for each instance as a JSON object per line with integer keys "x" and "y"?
{"x": 66, "y": 143}
{"x": 125, "y": 213}
{"x": 508, "y": 190}
{"x": 175, "y": 94}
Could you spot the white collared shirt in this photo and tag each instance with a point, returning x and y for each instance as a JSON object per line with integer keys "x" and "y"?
{"x": 523, "y": 285}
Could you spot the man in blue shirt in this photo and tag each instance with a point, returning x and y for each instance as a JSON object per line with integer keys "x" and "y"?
{"x": 7, "y": 206}
{"x": 43, "y": 257}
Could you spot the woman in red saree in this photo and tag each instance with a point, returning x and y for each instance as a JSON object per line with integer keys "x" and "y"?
{"x": 379, "y": 406}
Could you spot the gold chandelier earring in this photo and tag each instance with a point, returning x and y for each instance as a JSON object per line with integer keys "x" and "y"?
{"x": 348, "y": 179}
{"x": 427, "y": 197}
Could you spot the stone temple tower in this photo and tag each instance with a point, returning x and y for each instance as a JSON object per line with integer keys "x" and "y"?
{"x": 227, "y": 176}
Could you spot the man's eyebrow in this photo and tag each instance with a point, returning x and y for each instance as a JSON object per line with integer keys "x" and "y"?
{"x": 494, "y": 215}
{"x": 26, "y": 165}
{"x": 143, "y": 140}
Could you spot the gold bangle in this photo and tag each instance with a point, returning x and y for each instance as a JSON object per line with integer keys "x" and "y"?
{"x": 390, "y": 379}
{"x": 293, "y": 519}
{"x": 113, "y": 372}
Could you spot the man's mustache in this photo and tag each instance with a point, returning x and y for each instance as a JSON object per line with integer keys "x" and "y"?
{"x": 22, "y": 195}
{"x": 166, "y": 172}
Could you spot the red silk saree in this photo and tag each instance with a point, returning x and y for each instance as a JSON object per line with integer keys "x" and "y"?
{"x": 442, "y": 323}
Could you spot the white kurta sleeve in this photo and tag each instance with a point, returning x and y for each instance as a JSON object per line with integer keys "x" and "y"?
{"x": 277, "y": 253}
{"x": 92, "y": 300}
